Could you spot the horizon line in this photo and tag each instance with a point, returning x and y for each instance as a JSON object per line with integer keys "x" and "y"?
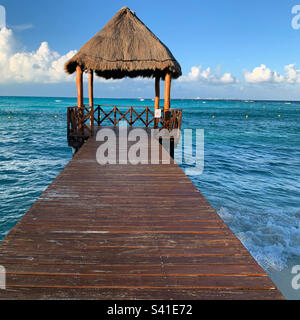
{"x": 138, "y": 98}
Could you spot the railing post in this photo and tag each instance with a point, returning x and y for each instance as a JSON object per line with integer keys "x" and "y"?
{"x": 98, "y": 116}
{"x": 115, "y": 115}
{"x": 179, "y": 120}
{"x": 147, "y": 117}
{"x": 131, "y": 116}
{"x": 68, "y": 122}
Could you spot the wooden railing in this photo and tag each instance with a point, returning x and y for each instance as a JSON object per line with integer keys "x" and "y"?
{"x": 81, "y": 121}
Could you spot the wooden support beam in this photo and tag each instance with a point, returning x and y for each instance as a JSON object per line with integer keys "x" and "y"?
{"x": 157, "y": 97}
{"x": 91, "y": 100}
{"x": 91, "y": 88}
{"x": 167, "y": 97}
{"x": 157, "y": 92}
{"x": 167, "y": 91}
{"x": 79, "y": 84}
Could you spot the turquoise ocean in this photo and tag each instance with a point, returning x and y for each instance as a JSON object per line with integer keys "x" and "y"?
{"x": 251, "y": 174}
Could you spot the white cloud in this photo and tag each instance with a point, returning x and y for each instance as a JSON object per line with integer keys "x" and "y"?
{"x": 47, "y": 66}
{"x": 263, "y": 74}
{"x": 22, "y": 27}
{"x": 42, "y": 65}
{"x": 198, "y": 74}
{"x": 292, "y": 74}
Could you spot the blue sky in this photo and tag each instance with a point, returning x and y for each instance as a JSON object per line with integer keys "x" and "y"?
{"x": 226, "y": 48}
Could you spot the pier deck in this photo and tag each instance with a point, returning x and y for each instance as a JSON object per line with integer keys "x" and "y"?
{"x": 126, "y": 232}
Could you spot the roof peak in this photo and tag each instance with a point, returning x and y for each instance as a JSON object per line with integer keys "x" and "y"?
{"x": 127, "y": 9}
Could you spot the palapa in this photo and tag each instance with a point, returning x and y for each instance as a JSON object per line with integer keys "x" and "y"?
{"x": 125, "y": 47}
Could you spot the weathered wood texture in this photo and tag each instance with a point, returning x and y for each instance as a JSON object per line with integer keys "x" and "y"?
{"x": 79, "y": 131}
{"x": 79, "y": 85}
{"x": 126, "y": 232}
{"x": 167, "y": 92}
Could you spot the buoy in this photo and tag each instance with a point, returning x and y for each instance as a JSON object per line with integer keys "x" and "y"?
{"x": 55, "y": 116}
{"x": 279, "y": 116}
{"x": 246, "y": 116}
{"x": 213, "y": 117}
{"x": 9, "y": 117}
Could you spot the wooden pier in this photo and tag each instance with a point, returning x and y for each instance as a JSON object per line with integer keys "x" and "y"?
{"x": 126, "y": 232}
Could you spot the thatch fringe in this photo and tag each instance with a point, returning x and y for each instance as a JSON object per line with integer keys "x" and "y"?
{"x": 125, "y": 47}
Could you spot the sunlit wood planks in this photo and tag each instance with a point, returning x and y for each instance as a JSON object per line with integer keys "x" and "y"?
{"x": 126, "y": 232}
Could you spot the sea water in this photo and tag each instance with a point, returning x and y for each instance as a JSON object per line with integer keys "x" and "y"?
{"x": 251, "y": 171}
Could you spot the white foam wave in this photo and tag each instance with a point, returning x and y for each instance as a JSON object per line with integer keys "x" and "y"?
{"x": 272, "y": 239}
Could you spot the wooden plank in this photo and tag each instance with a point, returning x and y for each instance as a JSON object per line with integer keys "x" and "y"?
{"x": 29, "y": 267}
{"x": 126, "y": 232}
{"x": 31, "y": 293}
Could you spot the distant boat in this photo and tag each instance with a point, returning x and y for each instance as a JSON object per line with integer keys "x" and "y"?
{"x": 142, "y": 99}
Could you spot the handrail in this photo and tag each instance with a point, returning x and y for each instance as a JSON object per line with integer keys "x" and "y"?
{"x": 81, "y": 121}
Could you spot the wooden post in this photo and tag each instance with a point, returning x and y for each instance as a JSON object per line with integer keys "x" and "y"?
{"x": 91, "y": 100}
{"x": 167, "y": 97}
{"x": 157, "y": 97}
{"x": 68, "y": 123}
{"x": 147, "y": 116}
{"x": 79, "y": 84}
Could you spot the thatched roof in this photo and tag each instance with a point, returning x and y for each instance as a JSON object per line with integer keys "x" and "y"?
{"x": 125, "y": 47}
